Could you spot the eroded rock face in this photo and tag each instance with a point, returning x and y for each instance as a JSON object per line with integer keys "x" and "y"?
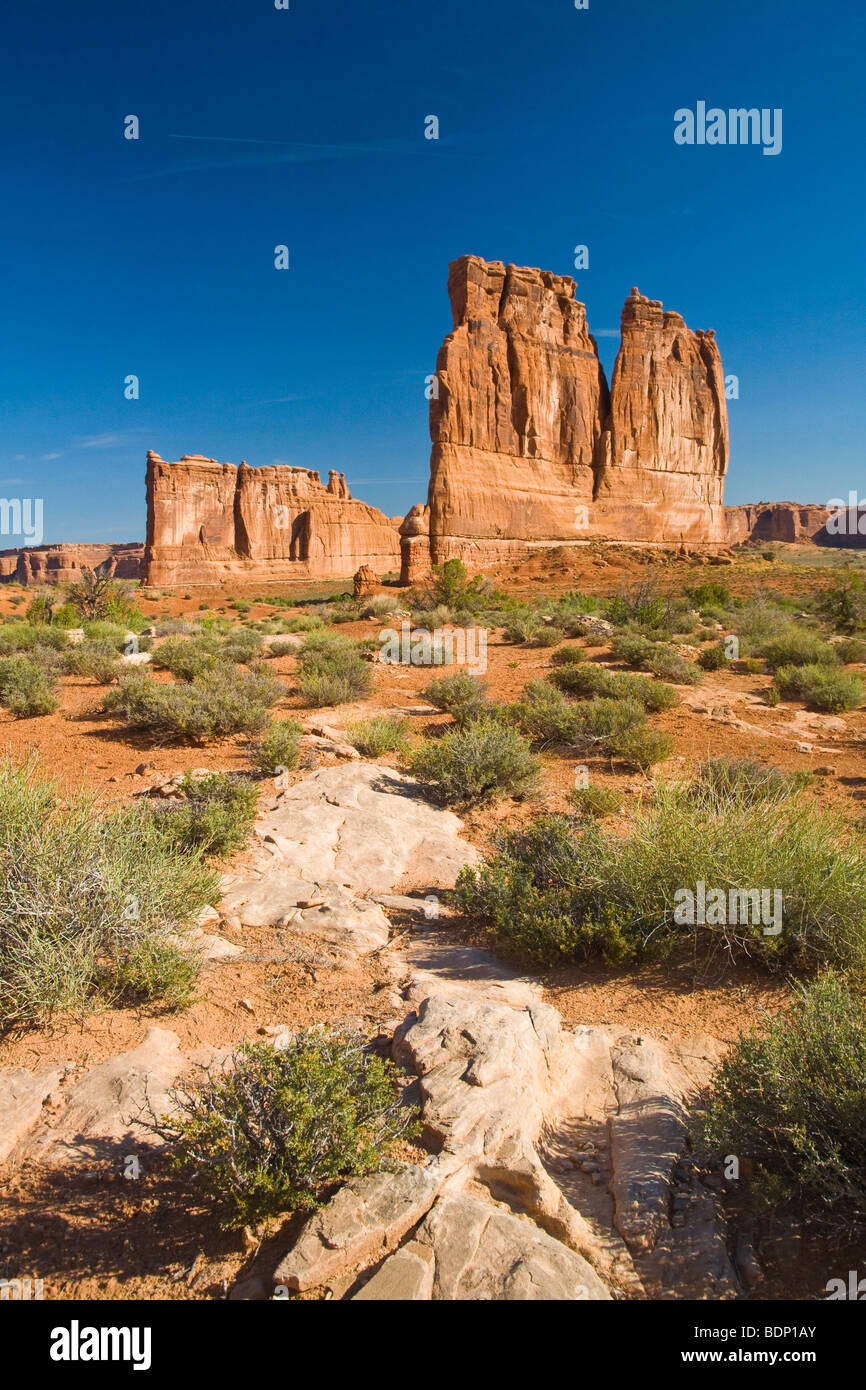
{"x": 797, "y": 523}
{"x": 530, "y": 449}
{"x": 62, "y": 564}
{"x": 207, "y": 521}
{"x": 664, "y": 452}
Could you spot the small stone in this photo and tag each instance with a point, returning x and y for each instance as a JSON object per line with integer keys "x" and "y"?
{"x": 245, "y": 1004}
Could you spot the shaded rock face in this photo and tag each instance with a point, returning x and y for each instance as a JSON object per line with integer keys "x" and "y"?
{"x": 207, "y": 521}
{"x": 62, "y": 564}
{"x": 531, "y": 449}
{"x": 797, "y": 523}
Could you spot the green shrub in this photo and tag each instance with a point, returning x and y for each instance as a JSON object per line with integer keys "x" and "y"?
{"x": 547, "y": 636}
{"x": 106, "y": 631}
{"x": 214, "y": 705}
{"x": 747, "y": 780}
{"x": 484, "y": 759}
{"x": 641, "y": 747}
{"x": 642, "y": 603}
{"x": 380, "y": 606}
{"x": 332, "y": 671}
{"x": 279, "y": 749}
{"x": 566, "y": 892}
{"x": 174, "y": 627}
{"x": 91, "y": 903}
{"x": 772, "y": 697}
{"x": 752, "y": 665}
{"x": 215, "y": 817}
{"x": 277, "y": 1129}
{"x": 39, "y": 609}
{"x": 521, "y": 625}
{"x": 595, "y": 801}
{"x": 567, "y": 656}
{"x": 460, "y": 695}
{"x": 26, "y": 690}
{"x": 843, "y": 602}
{"x": 382, "y": 734}
{"x": 64, "y": 617}
{"x": 187, "y": 657}
{"x": 546, "y": 716}
{"x": 790, "y": 1099}
{"x": 588, "y": 679}
{"x": 26, "y": 637}
{"x": 242, "y": 646}
{"x": 633, "y": 649}
{"x": 798, "y": 646}
{"x": 670, "y": 666}
{"x": 712, "y": 594}
{"x": 98, "y": 661}
{"x": 278, "y": 649}
{"x": 853, "y": 649}
{"x": 449, "y": 584}
{"x": 821, "y": 687}
{"x": 714, "y": 658}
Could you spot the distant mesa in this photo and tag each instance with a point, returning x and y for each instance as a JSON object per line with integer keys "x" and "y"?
{"x": 208, "y": 521}
{"x": 63, "y": 563}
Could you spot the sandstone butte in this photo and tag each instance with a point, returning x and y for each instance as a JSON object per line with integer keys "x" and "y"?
{"x": 207, "y": 521}
{"x": 530, "y": 446}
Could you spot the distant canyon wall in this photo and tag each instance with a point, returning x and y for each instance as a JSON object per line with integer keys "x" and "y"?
{"x": 63, "y": 563}
{"x": 531, "y": 448}
{"x": 797, "y": 523}
{"x": 208, "y": 521}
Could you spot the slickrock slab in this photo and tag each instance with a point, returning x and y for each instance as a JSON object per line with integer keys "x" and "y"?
{"x": 484, "y": 1253}
{"x": 103, "y": 1114}
{"x": 648, "y": 1134}
{"x": 361, "y": 1223}
{"x": 22, "y": 1096}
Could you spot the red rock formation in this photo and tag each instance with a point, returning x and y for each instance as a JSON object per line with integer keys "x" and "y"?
{"x": 530, "y": 449}
{"x": 61, "y": 564}
{"x": 518, "y": 418}
{"x": 804, "y": 524}
{"x": 208, "y": 521}
{"x": 664, "y": 453}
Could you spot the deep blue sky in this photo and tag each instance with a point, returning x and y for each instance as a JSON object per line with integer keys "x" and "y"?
{"x": 306, "y": 127}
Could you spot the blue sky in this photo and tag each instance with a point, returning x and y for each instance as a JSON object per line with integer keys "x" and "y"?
{"x": 305, "y": 127}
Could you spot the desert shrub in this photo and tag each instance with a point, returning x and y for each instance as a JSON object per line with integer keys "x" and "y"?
{"x": 566, "y": 892}
{"x": 485, "y": 759}
{"x": 432, "y": 618}
{"x": 242, "y": 646}
{"x": 772, "y": 697}
{"x": 25, "y": 637}
{"x": 106, "y": 631}
{"x": 545, "y": 715}
{"x": 91, "y": 903}
{"x": 547, "y": 636}
{"x": 790, "y": 1099}
{"x": 567, "y": 656}
{"x": 747, "y": 780}
{"x": 344, "y": 610}
{"x": 64, "y": 616}
{"x": 798, "y": 646}
{"x": 280, "y": 1126}
{"x": 714, "y": 658}
{"x": 98, "y": 661}
{"x": 213, "y": 705}
{"x": 821, "y": 687}
{"x": 26, "y": 690}
{"x": 449, "y": 584}
{"x": 279, "y": 749}
{"x": 332, "y": 671}
{"x": 643, "y": 603}
{"x": 460, "y": 695}
{"x": 40, "y": 609}
{"x": 712, "y": 594}
{"x": 843, "y": 602}
{"x": 588, "y": 679}
{"x": 605, "y": 722}
{"x": 670, "y": 666}
{"x": 278, "y": 649}
{"x": 752, "y": 665}
{"x": 595, "y": 801}
{"x": 853, "y": 649}
{"x": 215, "y": 817}
{"x": 187, "y": 657}
{"x": 760, "y": 618}
{"x": 641, "y": 747}
{"x": 380, "y": 606}
{"x": 174, "y": 627}
{"x": 631, "y": 648}
{"x": 381, "y": 734}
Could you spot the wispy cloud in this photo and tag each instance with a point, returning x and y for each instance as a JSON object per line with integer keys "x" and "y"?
{"x": 99, "y": 441}
{"x": 605, "y": 332}
{"x": 262, "y": 152}
{"x": 48, "y": 457}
